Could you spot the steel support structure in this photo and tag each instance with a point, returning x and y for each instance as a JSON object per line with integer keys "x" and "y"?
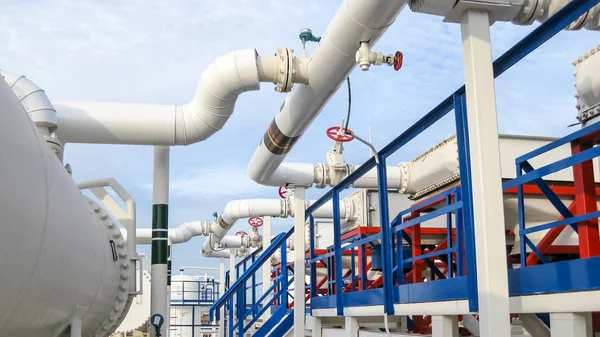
{"x": 299, "y": 207}
{"x": 486, "y": 178}
{"x": 160, "y": 232}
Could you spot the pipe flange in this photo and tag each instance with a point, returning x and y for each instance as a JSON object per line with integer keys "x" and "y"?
{"x": 285, "y": 70}
{"x": 122, "y": 300}
{"x": 405, "y": 180}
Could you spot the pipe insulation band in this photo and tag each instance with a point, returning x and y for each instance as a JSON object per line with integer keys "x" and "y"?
{"x": 160, "y": 233}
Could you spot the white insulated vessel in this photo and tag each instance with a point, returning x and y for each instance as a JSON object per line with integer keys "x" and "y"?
{"x": 63, "y": 262}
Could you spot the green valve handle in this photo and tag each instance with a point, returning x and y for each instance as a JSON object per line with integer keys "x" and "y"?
{"x": 306, "y": 35}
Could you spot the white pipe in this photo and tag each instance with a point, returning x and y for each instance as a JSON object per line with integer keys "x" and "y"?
{"x": 534, "y": 10}
{"x": 238, "y": 209}
{"x": 119, "y": 123}
{"x": 33, "y": 99}
{"x": 331, "y": 63}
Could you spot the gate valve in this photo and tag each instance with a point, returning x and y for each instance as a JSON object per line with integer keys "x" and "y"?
{"x": 242, "y": 233}
{"x": 365, "y": 58}
{"x": 255, "y": 222}
{"x": 282, "y": 192}
{"x": 339, "y": 134}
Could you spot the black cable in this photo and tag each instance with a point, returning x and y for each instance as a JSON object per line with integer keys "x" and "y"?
{"x": 349, "y": 105}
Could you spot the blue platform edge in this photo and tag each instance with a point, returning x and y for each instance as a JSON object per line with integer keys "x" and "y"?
{"x": 557, "y": 277}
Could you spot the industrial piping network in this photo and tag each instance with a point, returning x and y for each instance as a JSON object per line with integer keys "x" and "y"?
{"x": 36, "y": 289}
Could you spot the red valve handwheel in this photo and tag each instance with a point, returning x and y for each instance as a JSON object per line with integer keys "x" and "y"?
{"x": 398, "y": 58}
{"x": 282, "y": 192}
{"x": 255, "y": 222}
{"x": 241, "y": 233}
{"x": 332, "y": 133}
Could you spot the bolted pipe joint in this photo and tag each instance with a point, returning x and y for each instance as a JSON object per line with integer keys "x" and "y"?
{"x": 283, "y": 69}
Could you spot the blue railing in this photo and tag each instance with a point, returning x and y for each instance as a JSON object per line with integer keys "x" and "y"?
{"x": 244, "y": 311}
{"x": 527, "y": 174}
{"x": 455, "y": 101}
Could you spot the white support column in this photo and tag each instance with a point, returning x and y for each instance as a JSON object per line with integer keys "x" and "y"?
{"x": 221, "y": 292}
{"x": 351, "y": 327}
{"x": 299, "y": 269}
{"x": 571, "y": 325}
{"x": 315, "y": 326}
{"x": 402, "y": 325}
{"x": 490, "y": 242}
{"x": 160, "y": 225}
{"x": 76, "y": 327}
{"x": 445, "y": 326}
{"x": 266, "y": 269}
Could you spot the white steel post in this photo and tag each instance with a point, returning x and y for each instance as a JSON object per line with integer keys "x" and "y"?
{"x": 570, "y": 325}
{"x": 266, "y": 269}
{"x": 221, "y": 292}
{"x": 160, "y": 233}
{"x": 490, "y": 242}
{"x": 350, "y": 326}
{"x": 444, "y": 326}
{"x": 299, "y": 255}
{"x": 76, "y": 327}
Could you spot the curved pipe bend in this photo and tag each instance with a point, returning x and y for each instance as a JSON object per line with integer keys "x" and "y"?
{"x": 152, "y": 124}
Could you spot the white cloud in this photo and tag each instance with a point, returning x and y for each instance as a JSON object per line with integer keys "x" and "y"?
{"x": 218, "y": 182}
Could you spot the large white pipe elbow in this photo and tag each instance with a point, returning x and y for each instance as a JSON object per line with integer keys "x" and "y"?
{"x": 33, "y": 99}
{"x": 145, "y": 124}
{"x": 238, "y": 209}
{"x": 333, "y": 60}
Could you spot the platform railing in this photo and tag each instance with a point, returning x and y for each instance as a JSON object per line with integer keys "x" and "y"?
{"x": 456, "y": 101}
{"x": 243, "y": 310}
{"x": 582, "y": 215}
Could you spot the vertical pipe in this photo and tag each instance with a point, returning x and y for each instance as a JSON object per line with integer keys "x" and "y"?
{"x": 160, "y": 211}
{"x": 221, "y": 292}
{"x": 488, "y": 212}
{"x": 266, "y": 269}
{"x": 169, "y": 272}
{"x": 299, "y": 260}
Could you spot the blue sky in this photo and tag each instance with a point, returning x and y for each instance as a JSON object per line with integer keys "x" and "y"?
{"x": 154, "y": 52}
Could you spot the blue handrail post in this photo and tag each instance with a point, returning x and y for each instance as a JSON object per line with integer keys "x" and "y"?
{"x": 337, "y": 243}
{"x": 464, "y": 159}
{"x": 313, "y": 265}
{"x": 284, "y": 275}
{"x": 386, "y": 240}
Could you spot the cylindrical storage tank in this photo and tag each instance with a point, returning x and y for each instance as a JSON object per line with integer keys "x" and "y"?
{"x": 57, "y": 260}
{"x": 186, "y": 295}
